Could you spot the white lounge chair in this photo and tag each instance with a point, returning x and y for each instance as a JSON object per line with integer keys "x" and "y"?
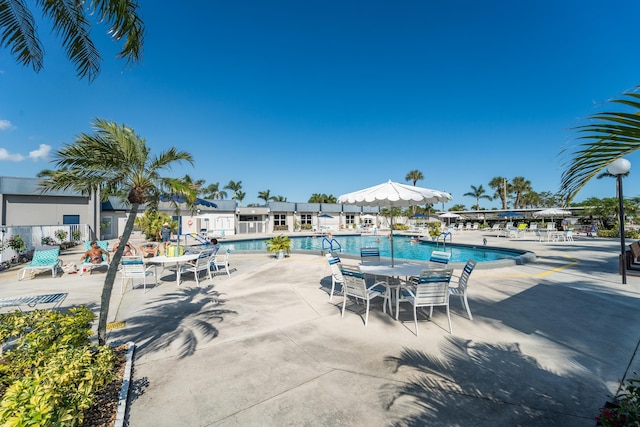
{"x": 87, "y": 265}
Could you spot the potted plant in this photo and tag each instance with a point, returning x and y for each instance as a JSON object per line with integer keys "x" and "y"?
{"x": 279, "y": 245}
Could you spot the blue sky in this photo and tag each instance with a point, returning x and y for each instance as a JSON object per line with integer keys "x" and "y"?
{"x": 333, "y": 96}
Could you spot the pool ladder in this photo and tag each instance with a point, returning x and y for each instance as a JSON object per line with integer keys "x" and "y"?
{"x": 444, "y": 235}
{"x": 331, "y": 245}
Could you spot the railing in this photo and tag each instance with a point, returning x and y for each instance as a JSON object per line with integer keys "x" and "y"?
{"x": 444, "y": 236}
{"x": 332, "y": 245}
{"x": 34, "y": 234}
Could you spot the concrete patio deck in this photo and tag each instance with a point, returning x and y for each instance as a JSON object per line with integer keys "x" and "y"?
{"x": 549, "y": 342}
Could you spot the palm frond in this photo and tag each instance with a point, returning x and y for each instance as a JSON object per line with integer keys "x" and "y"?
{"x": 18, "y": 32}
{"x": 612, "y": 135}
{"x": 124, "y": 23}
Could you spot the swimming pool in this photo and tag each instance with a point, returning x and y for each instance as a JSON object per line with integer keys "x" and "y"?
{"x": 403, "y": 248}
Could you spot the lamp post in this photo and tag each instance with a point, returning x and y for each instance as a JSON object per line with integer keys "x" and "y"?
{"x": 619, "y": 168}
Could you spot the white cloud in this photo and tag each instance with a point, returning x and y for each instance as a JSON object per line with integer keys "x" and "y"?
{"x": 5, "y": 125}
{"x": 5, "y": 155}
{"x": 40, "y": 153}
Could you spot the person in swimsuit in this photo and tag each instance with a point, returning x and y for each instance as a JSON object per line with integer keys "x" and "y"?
{"x": 149, "y": 249}
{"x": 129, "y": 250}
{"x": 95, "y": 254}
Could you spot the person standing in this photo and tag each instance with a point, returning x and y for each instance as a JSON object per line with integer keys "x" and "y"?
{"x": 165, "y": 236}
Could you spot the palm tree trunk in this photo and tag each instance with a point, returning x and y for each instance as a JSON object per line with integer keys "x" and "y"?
{"x": 110, "y": 279}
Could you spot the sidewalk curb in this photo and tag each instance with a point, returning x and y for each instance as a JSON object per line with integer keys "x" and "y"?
{"x": 124, "y": 390}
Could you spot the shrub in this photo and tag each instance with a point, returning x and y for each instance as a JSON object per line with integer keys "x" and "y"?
{"x": 52, "y": 371}
{"x": 48, "y": 241}
{"x": 17, "y": 244}
{"x": 76, "y": 235}
{"x": 280, "y": 228}
{"x": 626, "y": 410}
{"x": 61, "y": 235}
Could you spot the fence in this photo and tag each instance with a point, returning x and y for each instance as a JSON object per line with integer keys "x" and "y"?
{"x": 33, "y": 235}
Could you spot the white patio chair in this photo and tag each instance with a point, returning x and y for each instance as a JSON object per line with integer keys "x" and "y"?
{"x": 336, "y": 274}
{"x": 355, "y": 285}
{"x": 203, "y": 263}
{"x": 133, "y": 267}
{"x": 462, "y": 285}
{"x": 431, "y": 289}
{"x": 370, "y": 255}
{"x": 218, "y": 262}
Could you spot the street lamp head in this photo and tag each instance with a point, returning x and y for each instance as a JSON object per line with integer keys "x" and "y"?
{"x": 619, "y": 167}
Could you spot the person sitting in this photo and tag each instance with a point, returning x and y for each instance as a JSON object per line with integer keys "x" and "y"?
{"x": 129, "y": 250}
{"x": 215, "y": 245}
{"x": 149, "y": 249}
{"x": 95, "y": 254}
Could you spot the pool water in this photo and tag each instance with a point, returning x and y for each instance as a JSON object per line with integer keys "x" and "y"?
{"x": 403, "y": 248}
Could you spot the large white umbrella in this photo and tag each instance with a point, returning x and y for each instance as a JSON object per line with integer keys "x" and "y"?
{"x": 449, "y": 215}
{"x": 392, "y": 194}
{"x": 552, "y": 212}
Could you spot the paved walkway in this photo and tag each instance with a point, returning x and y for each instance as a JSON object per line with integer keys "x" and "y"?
{"x": 548, "y": 343}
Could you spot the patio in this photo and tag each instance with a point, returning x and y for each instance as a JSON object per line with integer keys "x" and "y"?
{"x": 549, "y": 342}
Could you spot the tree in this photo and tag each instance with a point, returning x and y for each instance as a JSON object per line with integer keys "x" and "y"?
{"x": 212, "y": 191}
{"x": 240, "y": 195}
{"x": 71, "y": 20}
{"x": 612, "y": 135}
{"x": 279, "y": 199}
{"x": 264, "y": 195}
{"x": 235, "y": 187}
{"x": 457, "y": 208}
{"x": 414, "y": 176}
{"x": 478, "y": 193}
{"x": 195, "y": 185}
{"x": 115, "y": 161}
{"x": 519, "y": 186}
{"x": 502, "y": 189}
{"x": 322, "y": 198}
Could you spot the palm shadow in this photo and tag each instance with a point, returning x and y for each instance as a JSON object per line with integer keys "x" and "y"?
{"x": 185, "y": 317}
{"x": 486, "y": 384}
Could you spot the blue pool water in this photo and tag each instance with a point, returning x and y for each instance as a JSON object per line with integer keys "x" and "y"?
{"x": 403, "y": 248}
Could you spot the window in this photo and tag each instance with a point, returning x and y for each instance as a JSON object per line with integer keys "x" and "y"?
{"x": 305, "y": 219}
{"x": 279, "y": 219}
{"x": 71, "y": 219}
{"x": 350, "y": 219}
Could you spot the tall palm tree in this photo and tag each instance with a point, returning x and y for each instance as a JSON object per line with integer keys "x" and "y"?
{"x": 115, "y": 161}
{"x": 240, "y": 195}
{"x": 278, "y": 198}
{"x": 235, "y": 187}
{"x": 502, "y": 189}
{"x": 71, "y": 20}
{"x": 612, "y": 135}
{"x": 265, "y": 195}
{"x": 478, "y": 193}
{"x": 212, "y": 191}
{"x": 520, "y": 186}
{"x": 196, "y": 185}
{"x": 414, "y": 176}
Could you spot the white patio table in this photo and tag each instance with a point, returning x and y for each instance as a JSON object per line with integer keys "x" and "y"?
{"x": 172, "y": 261}
{"x": 403, "y": 269}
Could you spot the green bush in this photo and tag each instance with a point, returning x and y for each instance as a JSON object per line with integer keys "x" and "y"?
{"x": 626, "y": 411}
{"x": 52, "y": 371}
{"x": 614, "y": 232}
{"x": 401, "y": 227}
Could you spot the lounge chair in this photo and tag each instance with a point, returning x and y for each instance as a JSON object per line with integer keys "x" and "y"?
{"x": 87, "y": 265}
{"x": 43, "y": 259}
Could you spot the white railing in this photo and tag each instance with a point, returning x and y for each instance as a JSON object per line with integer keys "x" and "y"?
{"x": 33, "y": 236}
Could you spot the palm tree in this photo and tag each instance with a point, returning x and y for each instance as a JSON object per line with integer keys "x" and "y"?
{"x": 235, "y": 187}
{"x": 212, "y": 191}
{"x": 196, "y": 185}
{"x": 279, "y": 199}
{"x": 612, "y": 135}
{"x": 502, "y": 189}
{"x": 520, "y": 186}
{"x": 322, "y": 198}
{"x": 264, "y": 195}
{"x": 115, "y": 161}
{"x": 240, "y": 195}
{"x": 478, "y": 193}
{"x": 72, "y": 22}
{"x": 414, "y": 176}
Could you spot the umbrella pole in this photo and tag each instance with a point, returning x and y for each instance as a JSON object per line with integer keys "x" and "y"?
{"x": 391, "y": 235}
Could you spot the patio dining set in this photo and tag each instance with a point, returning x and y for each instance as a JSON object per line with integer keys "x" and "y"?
{"x": 420, "y": 285}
